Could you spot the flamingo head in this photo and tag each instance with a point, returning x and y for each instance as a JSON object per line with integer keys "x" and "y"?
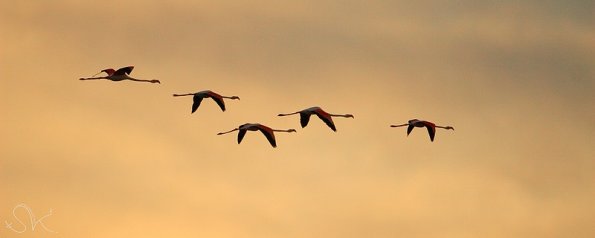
{"x": 155, "y": 81}
{"x": 349, "y": 115}
{"x": 291, "y": 130}
{"x": 234, "y": 97}
{"x": 449, "y": 128}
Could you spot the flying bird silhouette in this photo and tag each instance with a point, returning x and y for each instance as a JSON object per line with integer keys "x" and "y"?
{"x": 197, "y": 99}
{"x": 420, "y": 123}
{"x": 119, "y": 75}
{"x": 267, "y": 131}
{"x": 324, "y": 116}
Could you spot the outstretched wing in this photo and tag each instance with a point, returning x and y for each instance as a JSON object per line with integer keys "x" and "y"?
{"x": 218, "y": 99}
{"x": 241, "y": 135}
{"x": 268, "y": 133}
{"x": 197, "y": 99}
{"x": 304, "y": 119}
{"x": 125, "y": 70}
{"x": 327, "y": 119}
{"x": 409, "y": 129}
{"x": 431, "y": 131}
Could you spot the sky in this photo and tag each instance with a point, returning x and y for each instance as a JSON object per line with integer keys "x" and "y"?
{"x": 126, "y": 159}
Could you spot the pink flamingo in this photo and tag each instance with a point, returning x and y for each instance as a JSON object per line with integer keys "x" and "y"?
{"x": 419, "y": 123}
{"x": 197, "y": 99}
{"x": 267, "y": 131}
{"x": 324, "y": 116}
{"x": 119, "y": 75}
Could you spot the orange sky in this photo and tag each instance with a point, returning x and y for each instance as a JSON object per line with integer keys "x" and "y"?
{"x": 126, "y": 159}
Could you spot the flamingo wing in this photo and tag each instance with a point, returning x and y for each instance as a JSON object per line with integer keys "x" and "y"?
{"x": 269, "y": 134}
{"x": 125, "y": 70}
{"x": 241, "y": 135}
{"x": 409, "y": 129}
{"x": 327, "y": 119}
{"x": 431, "y": 131}
{"x": 197, "y": 99}
{"x": 218, "y": 99}
{"x": 304, "y": 119}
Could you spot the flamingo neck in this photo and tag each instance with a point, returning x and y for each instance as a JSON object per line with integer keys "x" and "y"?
{"x": 340, "y": 115}
{"x": 289, "y": 130}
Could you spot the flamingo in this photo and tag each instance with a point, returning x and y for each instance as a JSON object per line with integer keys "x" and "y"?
{"x": 119, "y": 75}
{"x": 207, "y": 94}
{"x": 420, "y": 123}
{"x": 267, "y": 131}
{"x": 324, "y": 116}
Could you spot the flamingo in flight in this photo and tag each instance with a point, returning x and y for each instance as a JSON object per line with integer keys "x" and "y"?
{"x": 420, "y": 123}
{"x": 267, "y": 131}
{"x": 324, "y": 116}
{"x": 197, "y": 98}
{"x": 119, "y": 75}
